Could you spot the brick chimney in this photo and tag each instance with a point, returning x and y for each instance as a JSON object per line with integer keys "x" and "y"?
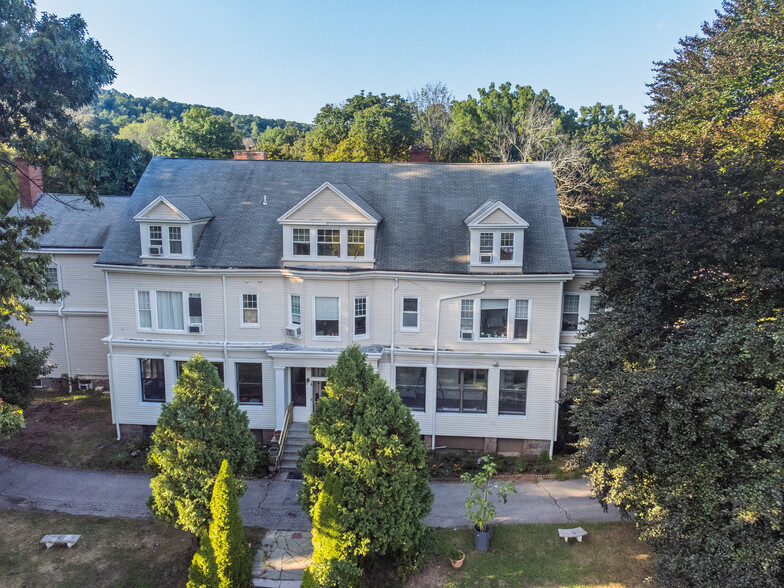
{"x": 31, "y": 183}
{"x": 250, "y": 154}
{"x": 419, "y": 154}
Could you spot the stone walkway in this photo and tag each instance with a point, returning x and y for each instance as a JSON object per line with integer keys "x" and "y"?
{"x": 282, "y": 559}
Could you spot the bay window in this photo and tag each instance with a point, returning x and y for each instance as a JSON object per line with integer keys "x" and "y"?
{"x": 169, "y": 306}
{"x": 327, "y": 317}
{"x": 493, "y": 319}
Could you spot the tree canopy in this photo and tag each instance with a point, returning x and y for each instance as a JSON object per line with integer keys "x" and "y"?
{"x": 679, "y": 384}
{"x": 200, "y": 134}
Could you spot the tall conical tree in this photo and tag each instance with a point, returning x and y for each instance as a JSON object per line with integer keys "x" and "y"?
{"x": 201, "y": 427}
{"x": 232, "y": 556}
{"x": 203, "y": 572}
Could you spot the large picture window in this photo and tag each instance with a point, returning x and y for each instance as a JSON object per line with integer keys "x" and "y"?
{"x": 493, "y": 319}
{"x": 153, "y": 383}
{"x": 170, "y": 317}
{"x": 410, "y": 384}
{"x": 249, "y": 388}
{"x": 512, "y": 392}
{"x": 327, "y": 317}
{"x": 461, "y": 390}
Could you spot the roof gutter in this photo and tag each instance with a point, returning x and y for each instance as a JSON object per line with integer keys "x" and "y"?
{"x": 435, "y": 353}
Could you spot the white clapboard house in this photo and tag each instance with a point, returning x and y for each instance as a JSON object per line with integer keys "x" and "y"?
{"x": 456, "y": 280}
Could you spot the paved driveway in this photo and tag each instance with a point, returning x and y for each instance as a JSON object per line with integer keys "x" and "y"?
{"x": 272, "y": 503}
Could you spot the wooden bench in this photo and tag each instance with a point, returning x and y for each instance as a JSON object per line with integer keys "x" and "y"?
{"x": 577, "y": 532}
{"x": 69, "y": 540}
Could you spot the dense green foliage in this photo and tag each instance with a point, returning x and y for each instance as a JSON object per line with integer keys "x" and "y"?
{"x": 18, "y": 375}
{"x": 203, "y": 572}
{"x": 679, "y": 385}
{"x": 11, "y": 420}
{"x": 366, "y": 483}
{"x": 232, "y": 555}
{"x": 200, "y": 134}
{"x": 202, "y": 426}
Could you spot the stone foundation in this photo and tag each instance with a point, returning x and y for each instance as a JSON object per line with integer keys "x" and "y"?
{"x": 136, "y": 431}
{"x": 532, "y": 447}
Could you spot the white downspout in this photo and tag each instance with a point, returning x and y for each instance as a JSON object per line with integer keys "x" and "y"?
{"x": 65, "y": 330}
{"x": 225, "y": 328}
{"x": 112, "y": 387}
{"x": 392, "y": 346}
{"x": 435, "y": 354}
{"x": 557, "y": 370}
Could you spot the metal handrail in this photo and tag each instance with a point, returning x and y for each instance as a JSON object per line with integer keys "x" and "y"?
{"x": 284, "y": 433}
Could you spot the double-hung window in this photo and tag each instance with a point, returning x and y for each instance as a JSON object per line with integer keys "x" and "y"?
{"x": 327, "y": 316}
{"x": 467, "y": 319}
{"x": 250, "y": 310}
{"x": 507, "y": 247}
{"x": 593, "y": 310}
{"x": 521, "y": 319}
{"x": 571, "y": 312}
{"x": 152, "y": 381}
{"x": 360, "y": 317}
{"x": 301, "y": 241}
{"x": 356, "y": 243}
{"x": 512, "y": 392}
{"x": 328, "y": 242}
{"x": 52, "y": 277}
{"x": 195, "y": 320}
{"x": 410, "y": 384}
{"x": 296, "y": 309}
{"x": 159, "y": 310}
{"x": 145, "y": 309}
{"x": 493, "y": 318}
{"x": 156, "y": 238}
{"x": 461, "y": 390}
{"x": 249, "y": 383}
{"x": 486, "y": 246}
{"x": 175, "y": 241}
{"x": 410, "y": 320}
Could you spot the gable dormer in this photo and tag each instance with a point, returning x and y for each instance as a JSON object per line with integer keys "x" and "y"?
{"x": 331, "y": 226}
{"x": 170, "y": 228}
{"x": 496, "y": 238}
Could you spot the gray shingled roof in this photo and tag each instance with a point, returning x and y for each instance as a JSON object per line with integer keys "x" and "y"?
{"x": 573, "y": 237}
{"x": 75, "y": 223}
{"x": 358, "y": 200}
{"x": 422, "y": 206}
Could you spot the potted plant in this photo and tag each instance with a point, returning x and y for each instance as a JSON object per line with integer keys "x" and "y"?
{"x": 456, "y": 556}
{"x": 480, "y": 508}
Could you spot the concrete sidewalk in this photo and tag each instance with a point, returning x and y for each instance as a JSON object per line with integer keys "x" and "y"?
{"x": 272, "y": 503}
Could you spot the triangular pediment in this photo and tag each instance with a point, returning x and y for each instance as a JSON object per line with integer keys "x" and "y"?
{"x": 160, "y": 209}
{"x": 494, "y": 213}
{"x": 331, "y": 203}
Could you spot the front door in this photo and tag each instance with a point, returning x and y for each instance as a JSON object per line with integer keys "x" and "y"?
{"x": 306, "y": 385}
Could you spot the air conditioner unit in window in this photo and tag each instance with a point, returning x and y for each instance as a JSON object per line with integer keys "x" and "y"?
{"x": 194, "y": 329}
{"x": 485, "y": 258}
{"x": 294, "y": 331}
{"x": 466, "y": 334}
{"x": 157, "y": 250}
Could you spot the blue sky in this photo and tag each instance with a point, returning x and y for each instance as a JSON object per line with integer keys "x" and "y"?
{"x": 288, "y": 58}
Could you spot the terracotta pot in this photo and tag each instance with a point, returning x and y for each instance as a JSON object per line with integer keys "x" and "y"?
{"x": 457, "y": 563}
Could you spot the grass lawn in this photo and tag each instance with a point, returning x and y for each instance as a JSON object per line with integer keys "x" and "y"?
{"x": 534, "y": 555}
{"x": 76, "y": 431}
{"x": 111, "y": 552}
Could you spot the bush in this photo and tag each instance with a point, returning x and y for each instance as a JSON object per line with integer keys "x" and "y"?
{"x": 263, "y": 461}
{"x": 11, "y": 420}
{"x": 333, "y": 573}
{"x": 19, "y": 374}
{"x": 366, "y": 482}
{"x": 201, "y": 427}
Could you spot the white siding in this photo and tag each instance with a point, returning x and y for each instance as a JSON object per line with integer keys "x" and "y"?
{"x": 328, "y": 206}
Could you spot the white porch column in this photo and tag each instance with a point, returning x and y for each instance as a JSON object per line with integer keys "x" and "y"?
{"x": 281, "y": 400}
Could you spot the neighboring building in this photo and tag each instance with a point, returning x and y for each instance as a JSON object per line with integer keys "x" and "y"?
{"x": 74, "y": 325}
{"x": 451, "y": 277}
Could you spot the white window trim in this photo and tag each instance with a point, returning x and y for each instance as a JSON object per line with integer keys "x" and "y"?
{"x": 340, "y": 320}
{"x": 236, "y": 391}
{"x": 243, "y": 324}
{"x": 418, "y": 328}
{"x": 510, "y": 318}
{"x": 186, "y": 238}
{"x": 154, "y": 312}
{"x": 517, "y": 256}
{"x": 188, "y": 313}
{"x": 513, "y": 415}
{"x": 343, "y": 228}
{"x": 366, "y": 334}
{"x": 291, "y": 314}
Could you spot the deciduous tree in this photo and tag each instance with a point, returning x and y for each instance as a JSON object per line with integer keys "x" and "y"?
{"x": 679, "y": 385}
{"x": 202, "y": 426}
{"x": 200, "y": 134}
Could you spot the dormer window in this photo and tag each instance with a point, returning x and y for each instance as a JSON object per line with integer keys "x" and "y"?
{"x": 168, "y": 228}
{"x": 332, "y": 225}
{"x": 496, "y": 238}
